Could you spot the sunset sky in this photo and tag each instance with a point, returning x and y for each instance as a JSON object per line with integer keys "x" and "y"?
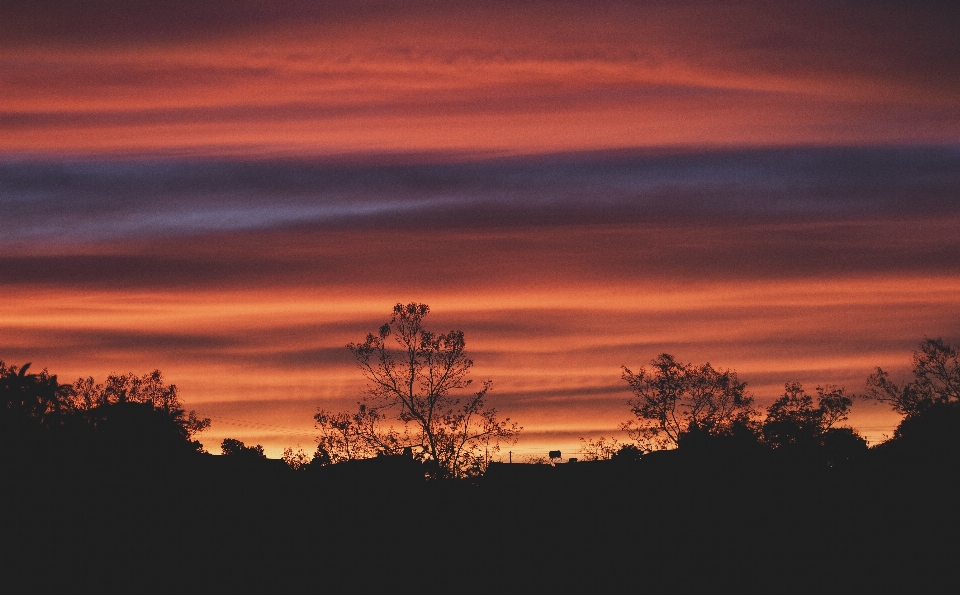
{"x": 232, "y": 191}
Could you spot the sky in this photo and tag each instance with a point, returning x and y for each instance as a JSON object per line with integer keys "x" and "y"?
{"x": 233, "y": 191}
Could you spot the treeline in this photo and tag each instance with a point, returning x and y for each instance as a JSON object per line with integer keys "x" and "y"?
{"x": 782, "y": 500}
{"x": 417, "y": 402}
{"x": 127, "y": 415}
{"x": 687, "y": 407}
{"x": 411, "y": 410}
{"x": 120, "y": 440}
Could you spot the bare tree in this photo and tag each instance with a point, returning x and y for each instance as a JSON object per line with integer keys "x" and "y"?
{"x": 672, "y": 399}
{"x": 361, "y": 435}
{"x": 412, "y": 379}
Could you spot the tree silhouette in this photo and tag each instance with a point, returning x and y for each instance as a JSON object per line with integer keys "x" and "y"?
{"x": 34, "y": 417}
{"x": 672, "y": 399}
{"x": 628, "y": 453}
{"x": 298, "y": 461}
{"x": 235, "y": 448}
{"x": 33, "y": 399}
{"x": 411, "y": 379}
{"x": 130, "y": 388}
{"x": 361, "y": 435}
{"x": 601, "y": 449}
{"x": 933, "y": 432}
{"x": 128, "y": 426}
{"x": 138, "y": 431}
{"x": 936, "y": 379}
{"x": 930, "y": 402}
{"x": 792, "y": 420}
{"x": 794, "y": 426}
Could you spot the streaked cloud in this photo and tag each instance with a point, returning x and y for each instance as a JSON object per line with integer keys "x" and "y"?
{"x": 308, "y": 78}
{"x": 233, "y": 191}
{"x": 92, "y": 201}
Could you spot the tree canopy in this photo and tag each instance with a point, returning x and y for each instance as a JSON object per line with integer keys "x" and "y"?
{"x": 231, "y": 447}
{"x": 929, "y": 400}
{"x": 32, "y": 399}
{"x": 792, "y": 420}
{"x": 125, "y": 413}
{"x": 149, "y": 389}
{"x": 935, "y": 380}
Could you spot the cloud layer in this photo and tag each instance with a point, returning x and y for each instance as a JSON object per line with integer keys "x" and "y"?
{"x": 233, "y": 190}
{"x": 254, "y": 78}
{"x": 244, "y": 280}
{"x": 64, "y": 202}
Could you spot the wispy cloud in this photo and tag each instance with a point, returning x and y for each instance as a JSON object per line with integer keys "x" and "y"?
{"x": 83, "y": 201}
{"x": 326, "y": 77}
{"x": 233, "y": 190}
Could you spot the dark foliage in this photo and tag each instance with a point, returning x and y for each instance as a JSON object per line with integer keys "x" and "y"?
{"x": 931, "y": 434}
{"x": 795, "y": 427}
{"x": 930, "y": 401}
{"x": 628, "y": 453}
{"x": 91, "y": 436}
{"x": 935, "y": 380}
{"x": 725, "y": 511}
{"x": 235, "y": 448}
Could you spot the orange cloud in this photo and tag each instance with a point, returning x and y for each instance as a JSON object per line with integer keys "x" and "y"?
{"x": 551, "y": 325}
{"x": 496, "y": 79}
{"x": 242, "y": 277}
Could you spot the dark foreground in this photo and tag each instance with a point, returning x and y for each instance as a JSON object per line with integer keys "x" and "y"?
{"x": 669, "y": 522}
